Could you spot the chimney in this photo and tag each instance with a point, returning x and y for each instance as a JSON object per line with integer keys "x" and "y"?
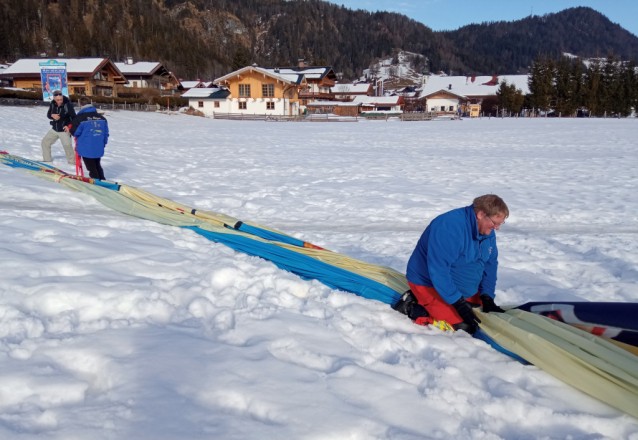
{"x": 449, "y": 87}
{"x": 276, "y": 69}
{"x": 254, "y": 64}
{"x": 129, "y": 60}
{"x": 302, "y": 64}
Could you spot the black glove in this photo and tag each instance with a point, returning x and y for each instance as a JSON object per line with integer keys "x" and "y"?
{"x": 489, "y": 305}
{"x": 470, "y": 320}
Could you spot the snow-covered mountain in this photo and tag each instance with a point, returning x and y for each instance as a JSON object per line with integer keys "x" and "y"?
{"x": 398, "y": 71}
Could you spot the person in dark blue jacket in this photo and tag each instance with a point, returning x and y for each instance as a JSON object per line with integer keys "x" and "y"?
{"x": 91, "y": 131}
{"x": 454, "y": 264}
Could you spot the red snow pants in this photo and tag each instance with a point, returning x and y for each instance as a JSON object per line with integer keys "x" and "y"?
{"x": 438, "y": 309}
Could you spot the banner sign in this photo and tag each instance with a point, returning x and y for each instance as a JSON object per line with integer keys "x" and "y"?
{"x": 53, "y": 75}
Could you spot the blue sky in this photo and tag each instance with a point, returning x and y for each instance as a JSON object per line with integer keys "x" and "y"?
{"x": 452, "y": 14}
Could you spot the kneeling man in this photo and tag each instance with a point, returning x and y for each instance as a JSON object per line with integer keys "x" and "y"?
{"x": 454, "y": 264}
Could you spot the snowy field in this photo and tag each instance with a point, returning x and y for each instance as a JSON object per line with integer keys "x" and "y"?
{"x": 113, "y": 327}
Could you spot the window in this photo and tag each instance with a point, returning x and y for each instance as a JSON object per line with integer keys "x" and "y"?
{"x": 102, "y": 76}
{"x": 242, "y": 106}
{"x": 244, "y": 90}
{"x": 442, "y": 108}
{"x": 268, "y": 90}
{"x": 433, "y": 109}
{"x": 451, "y": 108}
{"x": 134, "y": 83}
{"x": 216, "y": 104}
{"x": 79, "y": 91}
{"x": 270, "y": 106}
{"x": 200, "y": 104}
{"x": 77, "y": 78}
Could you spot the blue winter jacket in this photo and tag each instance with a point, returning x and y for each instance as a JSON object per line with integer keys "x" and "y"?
{"x": 453, "y": 258}
{"x": 91, "y": 131}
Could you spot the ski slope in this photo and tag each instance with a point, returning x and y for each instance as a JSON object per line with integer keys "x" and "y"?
{"x": 112, "y": 327}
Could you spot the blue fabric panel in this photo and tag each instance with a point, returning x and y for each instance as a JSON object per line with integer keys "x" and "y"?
{"x": 268, "y": 235}
{"x": 480, "y": 334}
{"x": 103, "y": 184}
{"x": 306, "y": 267}
{"x": 14, "y": 164}
{"x": 605, "y": 314}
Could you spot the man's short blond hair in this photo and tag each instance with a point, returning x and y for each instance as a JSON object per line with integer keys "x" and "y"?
{"x": 491, "y": 205}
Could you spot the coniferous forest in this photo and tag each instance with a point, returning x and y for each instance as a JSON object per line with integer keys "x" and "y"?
{"x": 200, "y": 38}
{"x": 597, "y": 87}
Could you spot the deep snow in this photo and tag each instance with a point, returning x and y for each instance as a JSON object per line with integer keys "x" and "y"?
{"x": 113, "y": 327}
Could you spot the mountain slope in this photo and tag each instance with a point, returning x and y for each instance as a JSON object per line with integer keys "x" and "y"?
{"x": 509, "y": 47}
{"x": 197, "y": 38}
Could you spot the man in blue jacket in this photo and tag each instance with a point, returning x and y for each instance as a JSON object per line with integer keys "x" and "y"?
{"x": 454, "y": 264}
{"x": 91, "y": 132}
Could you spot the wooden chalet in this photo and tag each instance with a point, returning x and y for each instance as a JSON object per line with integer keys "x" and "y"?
{"x": 147, "y": 75}
{"x": 261, "y": 90}
{"x": 86, "y": 76}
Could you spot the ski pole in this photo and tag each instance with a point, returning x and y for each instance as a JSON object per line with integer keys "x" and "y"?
{"x": 78, "y": 161}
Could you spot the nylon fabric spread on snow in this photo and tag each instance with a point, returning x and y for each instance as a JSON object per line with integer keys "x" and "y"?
{"x": 585, "y": 361}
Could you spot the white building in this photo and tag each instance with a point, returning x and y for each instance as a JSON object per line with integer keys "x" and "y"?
{"x": 209, "y": 100}
{"x": 444, "y": 101}
{"x": 474, "y": 88}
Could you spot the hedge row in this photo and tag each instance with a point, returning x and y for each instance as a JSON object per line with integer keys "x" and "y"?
{"x": 161, "y": 100}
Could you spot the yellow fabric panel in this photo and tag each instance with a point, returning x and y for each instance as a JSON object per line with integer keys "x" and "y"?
{"x": 580, "y": 359}
{"x": 147, "y": 207}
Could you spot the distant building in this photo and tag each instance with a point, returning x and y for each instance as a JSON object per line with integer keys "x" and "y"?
{"x": 86, "y": 76}
{"x": 147, "y": 75}
{"x": 475, "y": 88}
{"x": 5, "y": 82}
{"x": 347, "y": 92}
{"x": 208, "y": 100}
{"x": 444, "y": 101}
{"x": 197, "y": 84}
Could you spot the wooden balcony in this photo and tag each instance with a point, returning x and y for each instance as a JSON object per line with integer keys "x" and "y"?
{"x": 316, "y": 95}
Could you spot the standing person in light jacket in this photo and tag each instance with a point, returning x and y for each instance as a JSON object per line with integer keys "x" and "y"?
{"x": 61, "y": 113}
{"x": 92, "y": 133}
{"x": 454, "y": 266}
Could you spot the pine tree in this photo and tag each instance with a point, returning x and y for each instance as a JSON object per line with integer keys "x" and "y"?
{"x": 240, "y": 59}
{"x": 541, "y": 83}
{"x": 566, "y": 87}
{"x": 593, "y": 89}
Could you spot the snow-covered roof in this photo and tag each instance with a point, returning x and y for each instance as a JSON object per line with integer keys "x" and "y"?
{"x": 378, "y": 100}
{"x": 201, "y": 92}
{"x": 333, "y": 104}
{"x": 473, "y": 85}
{"x": 31, "y": 66}
{"x": 140, "y": 67}
{"x": 286, "y": 77}
{"x": 344, "y": 89}
{"x": 308, "y": 72}
{"x": 448, "y": 91}
{"x": 190, "y": 84}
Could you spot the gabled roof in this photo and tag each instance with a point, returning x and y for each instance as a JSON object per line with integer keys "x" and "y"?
{"x": 74, "y": 66}
{"x": 379, "y": 100}
{"x": 315, "y": 72}
{"x": 190, "y": 84}
{"x": 139, "y": 68}
{"x": 207, "y": 93}
{"x": 351, "y": 88}
{"x": 473, "y": 85}
{"x": 285, "y": 77}
{"x": 449, "y": 92}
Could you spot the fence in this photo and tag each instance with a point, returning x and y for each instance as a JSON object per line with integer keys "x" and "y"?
{"x": 283, "y": 118}
{"x": 97, "y": 105}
